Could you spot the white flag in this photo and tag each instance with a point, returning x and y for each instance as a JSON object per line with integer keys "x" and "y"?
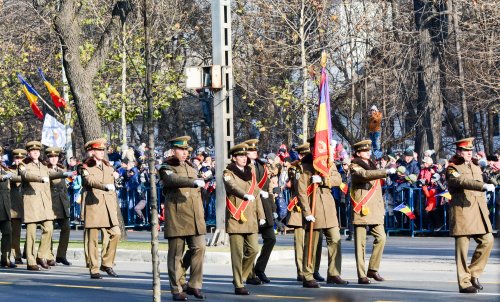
{"x": 53, "y": 132}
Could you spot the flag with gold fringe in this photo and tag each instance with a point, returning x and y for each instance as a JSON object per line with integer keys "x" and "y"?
{"x": 32, "y": 96}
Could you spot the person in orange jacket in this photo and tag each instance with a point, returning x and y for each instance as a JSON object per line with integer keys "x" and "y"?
{"x": 374, "y": 127}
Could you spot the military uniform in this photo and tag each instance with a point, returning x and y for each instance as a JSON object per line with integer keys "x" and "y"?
{"x": 326, "y": 222}
{"x": 5, "y": 226}
{"x": 60, "y": 204}
{"x": 37, "y": 206}
{"x": 295, "y": 219}
{"x": 16, "y": 210}
{"x": 242, "y": 218}
{"x": 269, "y": 206}
{"x": 469, "y": 217}
{"x": 185, "y": 222}
{"x": 101, "y": 211}
{"x": 368, "y": 211}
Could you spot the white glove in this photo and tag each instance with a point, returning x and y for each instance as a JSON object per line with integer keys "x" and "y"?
{"x": 264, "y": 194}
{"x": 316, "y": 179}
{"x": 7, "y": 176}
{"x": 68, "y": 174}
{"x": 199, "y": 183}
{"x": 489, "y": 187}
{"x": 110, "y": 187}
{"x": 45, "y": 179}
{"x": 207, "y": 174}
{"x": 275, "y": 215}
{"x": 310, "y": 218}
{"x": 262, "y": 221}
{"x": 249, "y": 197}
{"x": 390, "y": 171}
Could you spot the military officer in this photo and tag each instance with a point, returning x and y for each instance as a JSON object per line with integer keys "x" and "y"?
{"x": 5, "y": 226}
{"x": 258, "y": 275}
{"x": 186, "y": 220}
{"x": 37, "y": 205}
{"x": 60, "y": 201}
{"x": 294, "y": 218}
{"x": 469, "y": 215}
{"x": 324, "y": 218}
{"x": 244, "y": 214}
{"x": 16, "y": 201}
{"x": 101, "y": 209}
{"x": 368, "y": 210}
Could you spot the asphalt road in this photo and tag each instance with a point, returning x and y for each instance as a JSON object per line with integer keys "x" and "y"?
{"x": 418, "y": 269}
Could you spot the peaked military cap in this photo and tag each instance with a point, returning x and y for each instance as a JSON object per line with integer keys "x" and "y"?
{"x": 465, "y": 143}
{"x": 19, "y": 153}
{"x": 97, "y": 144}
{"x": 364, "y": 145}
{"x": 180, "y": 142}
{"x": 34, "y": 145}
{"x": 252, "y": 144}
{"x": 239, "y": 149}
{"x": 303, "y": 149}
{"x": 52, "y": 151}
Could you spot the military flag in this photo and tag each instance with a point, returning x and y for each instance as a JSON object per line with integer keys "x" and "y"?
{"x": 406, "y": 210}
{"x": 32, "y": 96}
{"x": 54, "y": 94}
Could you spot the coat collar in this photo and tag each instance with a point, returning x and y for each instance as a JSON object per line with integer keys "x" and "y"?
{"x": 245, "y": 175}
{"x": 367, "y": 166}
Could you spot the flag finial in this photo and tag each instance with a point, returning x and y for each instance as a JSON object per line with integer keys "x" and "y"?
{"x": 323, "y": 59}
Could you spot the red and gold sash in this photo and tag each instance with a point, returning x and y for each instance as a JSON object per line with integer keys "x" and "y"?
{"x": 237, "y": 213}
{"x": 262, "y": 182}
{"x": 358, "y": 205}
{"x": 293, "y": 202}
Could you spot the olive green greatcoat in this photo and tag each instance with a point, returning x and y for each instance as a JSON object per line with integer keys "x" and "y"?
{"x": 363, "y": 177}
{"x": 101, "y": 206}
{"x": 37, "y": 201}
{"x": 469, "y": 213}
{"x": 184, "y": 211}
{"x": 236, "y": 188}
{"x": 16, "y": 195}
{"x": 60, "y": 200}
{"x": 4, "y": 195}
{"x": 325, "y": 210}
{"x": 294, "y": 217}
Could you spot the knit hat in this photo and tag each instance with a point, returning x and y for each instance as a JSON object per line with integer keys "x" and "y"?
{"x": 401, "y": 170}
{"x": 374, "y": 108}
{"x": 408, "y": 152}
{"x": 411, "y": 178}
{"x": 427, "y": 160}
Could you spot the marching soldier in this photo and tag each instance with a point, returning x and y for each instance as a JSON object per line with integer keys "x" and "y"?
{"x": 295, "y": 220}
{"x": 186, "y": 221}
{"x": 257, "y": 276}
{"x": 101, "y": 209}
{"x": 16, "y": 202}
{"x": 5, "y": 226}
{"x": 324, "y": 218}
{"x": 244, "y": 214}
{"x": 469, "y": 215}
{"x": 368, "y": 210}
{"x": 37, "y": 205}
{"x": 60, "y": 201}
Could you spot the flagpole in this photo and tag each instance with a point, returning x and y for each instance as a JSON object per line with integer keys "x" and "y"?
{"x": 311, "y": 228}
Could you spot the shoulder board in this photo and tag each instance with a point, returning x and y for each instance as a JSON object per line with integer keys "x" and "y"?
{"x": 84, "y": 171}
{"x": 356, "y": 167}
{"x": 227, "y": 175}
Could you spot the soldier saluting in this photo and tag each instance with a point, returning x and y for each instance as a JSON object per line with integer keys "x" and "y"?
{"x": 101, "y": 209}
{"x": 368, "y": 210}
{"x": 469, "y": 215}
{"x": 244, "y": 214}
{"x": 185, "y": 223}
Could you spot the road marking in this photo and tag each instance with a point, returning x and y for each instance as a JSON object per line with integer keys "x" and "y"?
{"x": 285, "y": 297}
{"x": 75, "y": 286}
{"x": 5, "y": 283}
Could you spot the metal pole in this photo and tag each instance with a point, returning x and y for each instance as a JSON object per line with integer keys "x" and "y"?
{"x": 223, "y": 106}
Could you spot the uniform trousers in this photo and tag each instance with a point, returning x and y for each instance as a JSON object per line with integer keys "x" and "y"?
{"x": 378, "y": 233}
{"x": 107, "y": 254}
{"x": 6, "y": 230}
{"x": 104, "y": 242}
{"x": 298, "y": 241}
{"x": 479, "y": 259}
{"x": 333, "y": 243}
{"x": 47, "y": 227}
{"x": 65, "y": 227}
{"x": 194, "y": 261}
{"x": 269, "y": 240}
{"x": 16, "y": 238}
{"x": 244, "y": 249}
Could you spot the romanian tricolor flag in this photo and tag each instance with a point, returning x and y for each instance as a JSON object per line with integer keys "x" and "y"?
{"x": 405, "y": 209}
{"x": 56, "y": 97}
{"x": 32, "y": 97}
{"x": 322, "y": 160}
{"x": 445, "y": 194}
{"x": 344, "y": 187}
